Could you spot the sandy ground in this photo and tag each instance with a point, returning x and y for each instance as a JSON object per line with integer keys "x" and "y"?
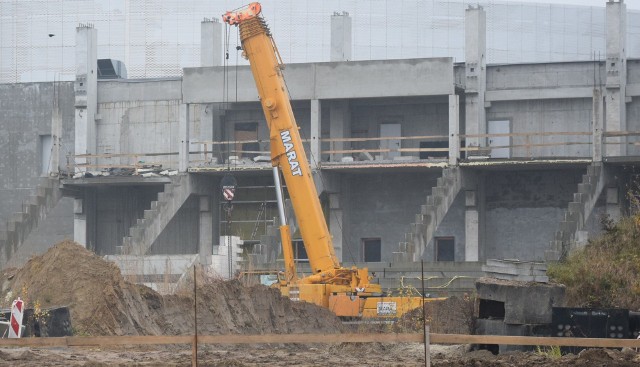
{"x": 306, "y": 356}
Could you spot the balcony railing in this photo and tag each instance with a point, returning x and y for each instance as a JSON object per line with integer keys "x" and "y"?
{"x": 516, "y": 145}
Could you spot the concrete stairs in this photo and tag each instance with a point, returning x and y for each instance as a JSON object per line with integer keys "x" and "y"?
{"x": 147, "y": 229}
{"x": 34, "y": 209}
{"x": 571, "y": 227}
{"x": 431, "y": 215}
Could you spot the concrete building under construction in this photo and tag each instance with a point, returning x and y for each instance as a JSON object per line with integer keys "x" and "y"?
{"x": 421, "y": 159}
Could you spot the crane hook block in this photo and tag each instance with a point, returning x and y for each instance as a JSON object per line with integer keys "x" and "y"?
{"x": 238, "y": 16}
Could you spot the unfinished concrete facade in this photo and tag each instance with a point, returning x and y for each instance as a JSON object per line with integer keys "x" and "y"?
{"x": 417, "y": 159}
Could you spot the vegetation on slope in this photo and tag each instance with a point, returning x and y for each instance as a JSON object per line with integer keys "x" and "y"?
{"x": 606, "y": 272}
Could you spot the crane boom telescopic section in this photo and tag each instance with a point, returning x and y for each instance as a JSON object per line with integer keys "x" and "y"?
{"x": 287, "y": 151}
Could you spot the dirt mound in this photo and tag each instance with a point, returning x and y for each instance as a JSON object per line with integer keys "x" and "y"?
{"x": 451, "y": 316}
{"x": 101, "y": 302}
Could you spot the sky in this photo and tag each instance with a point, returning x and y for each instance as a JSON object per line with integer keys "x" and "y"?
{"x": 631, "y": 4}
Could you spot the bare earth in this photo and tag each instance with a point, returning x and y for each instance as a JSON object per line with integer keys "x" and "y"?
{"x": 305, "y": 356}
{"x": 103, "y": 303}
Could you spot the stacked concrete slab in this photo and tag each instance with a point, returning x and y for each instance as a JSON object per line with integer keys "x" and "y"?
{"x": 524, "y": 271}
{"x": 516, "y": 308}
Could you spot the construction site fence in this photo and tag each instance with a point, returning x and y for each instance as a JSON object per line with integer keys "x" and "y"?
{"x": 86, "y": 341}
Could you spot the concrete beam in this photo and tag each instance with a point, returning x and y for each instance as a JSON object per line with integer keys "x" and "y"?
{"x": 331, "y": 80}
{"x": 538, "y": 93}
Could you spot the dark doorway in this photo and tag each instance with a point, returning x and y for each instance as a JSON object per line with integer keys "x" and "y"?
{"x": 372, "y": 249}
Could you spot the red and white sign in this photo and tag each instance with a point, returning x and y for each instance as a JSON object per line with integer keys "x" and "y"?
{"x": 15, "y": 324}
{"x": 228, "y": 194}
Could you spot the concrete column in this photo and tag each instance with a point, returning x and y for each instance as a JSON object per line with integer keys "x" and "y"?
{"x": 206, "y": 132}
{"x": 316, "y": 133}
{"x": 211, "y": 42}
{"x": 454, "y": 129}
{"x": 476, "y": 75}
{"x": 56, "y": 132}
{"x": 183, "y": 133}
{"x": 335, "y": 223}
{"x": 597, "y": 125}
{"x": 472, "y": 227}
{"x": 86, "y": 92}
{"x": 339, "y": 126}
{"x": 616, "y": 118}
{"x": 206, "y": 230}
{"x": 613, "y": 204}
{"x": 79, "y": 222}
{"x": 340, "y": 37}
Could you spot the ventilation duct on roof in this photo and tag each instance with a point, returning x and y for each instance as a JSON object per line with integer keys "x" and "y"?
{"x": 111, "y": 69}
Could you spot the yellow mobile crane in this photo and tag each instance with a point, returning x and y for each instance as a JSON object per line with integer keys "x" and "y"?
{"x": 347, "y": 292}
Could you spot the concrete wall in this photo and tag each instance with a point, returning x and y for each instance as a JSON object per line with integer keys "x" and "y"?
{"x": 381, "y": 205}
{"x": 418, "y": 117}
{"x": 547, "y": 117}
{"x": 140, "y": 117}
{"x": 524, "y": 209}
{"x": 181, "y": 235}
{"x": 116, "y": 210}
{"x": 26, "y": 115}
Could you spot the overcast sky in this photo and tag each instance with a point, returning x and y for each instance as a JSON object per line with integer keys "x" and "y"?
{"x": 631, "y": 4}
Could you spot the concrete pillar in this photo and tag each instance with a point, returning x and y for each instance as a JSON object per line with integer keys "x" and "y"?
{"x": 316, "y": 133}
{"x": 211, "y": 42}
{"x": 454, "y": 129}
{"x": 472, "y": 227}
{"x": 340, "y": 37}
{"x": 616, "y": 119}
{"x": 183, "y": 134}
{"x": 598, "y": 125}
{"x": 475, "y": 75}
{"x": 206, "y": 230}
{"x": 56, "y": 132}
{"x": 205, "y": 133}
{"x": 86, "y": 92}
{"x": 613, "y": 204}
{"x": 335, "y": 222}
{"x": 79, "y": 222}
{"x": 339, "y": 127}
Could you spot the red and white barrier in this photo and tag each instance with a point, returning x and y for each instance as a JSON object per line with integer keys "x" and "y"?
{"x": 15, "y": 323}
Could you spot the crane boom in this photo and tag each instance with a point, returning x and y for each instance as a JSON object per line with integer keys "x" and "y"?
{"x": 287, "y": 151}
{"x": 347, "y": 292}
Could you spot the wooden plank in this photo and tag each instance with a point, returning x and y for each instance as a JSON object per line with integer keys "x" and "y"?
{"x": 128, "y": 340}
{"x": 533, "y": 340}
{"x": 310, "y": 338}
{"x": 559, "y": 133}
{"x": 320, "y": 339}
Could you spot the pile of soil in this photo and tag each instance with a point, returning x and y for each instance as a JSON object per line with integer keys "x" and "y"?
{"x": 454, "y": 315}
{"x": 101, "y": 302}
